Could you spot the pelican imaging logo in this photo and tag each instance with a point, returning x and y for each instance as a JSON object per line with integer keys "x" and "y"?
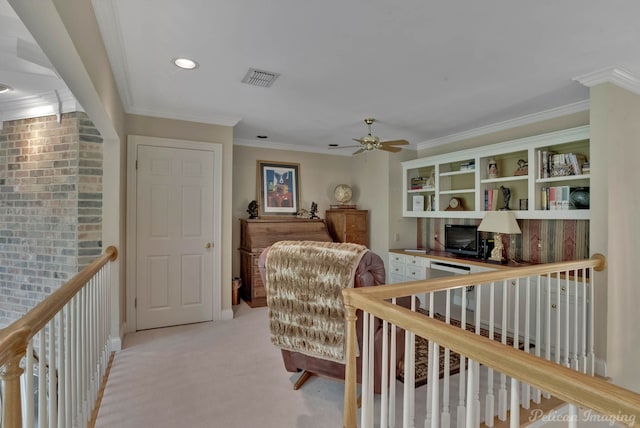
{"x": 583, "y": 416}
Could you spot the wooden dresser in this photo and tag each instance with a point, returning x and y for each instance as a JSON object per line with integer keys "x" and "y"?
{"x": 348, "y": 225}
{"x": 258, "y": 234}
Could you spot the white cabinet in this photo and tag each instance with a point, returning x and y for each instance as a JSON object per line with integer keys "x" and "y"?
{"x": 405, "y": 267}
{"x": 521, "y": 174}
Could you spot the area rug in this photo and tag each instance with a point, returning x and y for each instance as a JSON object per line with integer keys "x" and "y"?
{"x": 422, "y": 352}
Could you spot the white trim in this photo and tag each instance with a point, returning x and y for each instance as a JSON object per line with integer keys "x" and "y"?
{"x": 48, "y": 103}
{"x": 133, "y": 142}
{"x": 211, "y": 119}
{"x": 110, "y": 28}
{"x": 614, "y": 75}
{"x": 508, "y": 124}
{"x": 227, "y": 314}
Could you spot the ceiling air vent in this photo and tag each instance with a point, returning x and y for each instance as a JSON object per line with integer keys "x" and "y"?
{"x": 262, "y": 78}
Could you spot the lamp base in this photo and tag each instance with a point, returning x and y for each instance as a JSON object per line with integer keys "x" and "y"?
{"x": 497, "y": 261}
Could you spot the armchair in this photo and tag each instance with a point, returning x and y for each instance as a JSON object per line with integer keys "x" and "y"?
{"x": 369, "y": 271}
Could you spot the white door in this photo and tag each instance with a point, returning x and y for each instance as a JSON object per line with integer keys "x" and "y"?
{"x": 174, "y": 236}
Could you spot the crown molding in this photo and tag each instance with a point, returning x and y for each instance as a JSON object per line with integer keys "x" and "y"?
{"x": 272, "y": 145}
{"x": 48, "y": 103}
{"x": 211, "y": 119}
{"x": 508, "y": 124}
{"x": 615, "y": 75}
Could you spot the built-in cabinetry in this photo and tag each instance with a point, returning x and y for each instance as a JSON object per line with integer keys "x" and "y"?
{"x": 558, "y": 307}
{"x": 258, "y": 234}
{"x": 348, "y": 225}
{"x": 532, "y": 170}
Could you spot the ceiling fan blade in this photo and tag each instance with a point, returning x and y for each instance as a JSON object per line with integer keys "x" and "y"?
{"x": 395, "y": 143}
{"x": 359, "y": 140}
{"x": 358, "y": 151}
{"x": 342, "y": 147}
{"x": 390, "y": 149}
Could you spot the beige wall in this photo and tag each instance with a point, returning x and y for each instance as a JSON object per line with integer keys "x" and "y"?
{"x": 319, "y": 175}
{"x": 615, "y": 181}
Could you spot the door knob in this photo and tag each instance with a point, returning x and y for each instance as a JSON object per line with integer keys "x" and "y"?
{"x": 208, "y": 245}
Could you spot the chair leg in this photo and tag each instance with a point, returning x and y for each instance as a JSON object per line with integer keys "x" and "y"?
{"x": 302, "y": 379}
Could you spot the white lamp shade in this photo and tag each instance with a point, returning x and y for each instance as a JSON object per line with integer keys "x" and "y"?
{"x": 499, "y": 222}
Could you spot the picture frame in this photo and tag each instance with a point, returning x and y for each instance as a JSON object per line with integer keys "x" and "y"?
{"x": 278, "y": 188}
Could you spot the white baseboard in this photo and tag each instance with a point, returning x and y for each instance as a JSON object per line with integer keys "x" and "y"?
{"x": 227, "y": 314}
{"x": 601, "y": 367}
{"x": 116, "y": 342}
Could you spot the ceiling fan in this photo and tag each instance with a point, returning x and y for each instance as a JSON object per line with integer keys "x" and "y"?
{"x": 371, "y": 142}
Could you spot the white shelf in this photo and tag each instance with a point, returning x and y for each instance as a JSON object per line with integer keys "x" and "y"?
{"x": 504, "y": 179}
{"x": 455, "y": 192}
{"x": 450, "y": 173}
{"x": 564, "y": 178}
{"x": 431, "y": 189}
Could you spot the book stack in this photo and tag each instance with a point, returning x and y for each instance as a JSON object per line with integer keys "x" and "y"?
{"x": 559, "y": 164}
{"x": 555, "y": 198}
{"x": 417, "y": 183}
{"x": 491, "y": 199}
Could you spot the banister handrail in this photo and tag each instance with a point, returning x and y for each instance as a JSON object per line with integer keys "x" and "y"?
{"x": 562, "y": 382}
{"x": 597, "y": 261}
{"x": 22, "y": 330}
{"x": 567, "y": 384}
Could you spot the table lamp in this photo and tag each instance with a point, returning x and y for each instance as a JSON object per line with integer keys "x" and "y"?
{"x": 499, "y": 222}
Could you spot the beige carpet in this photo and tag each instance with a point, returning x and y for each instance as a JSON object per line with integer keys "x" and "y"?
{"x": 224, "y": 374}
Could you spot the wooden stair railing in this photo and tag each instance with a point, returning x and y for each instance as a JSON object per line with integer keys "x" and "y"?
{"x": 571, "y": 386}
{"x": 15, "y": 338}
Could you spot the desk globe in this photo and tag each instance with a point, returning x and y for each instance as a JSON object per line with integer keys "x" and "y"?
{"x": 342, "y": 193}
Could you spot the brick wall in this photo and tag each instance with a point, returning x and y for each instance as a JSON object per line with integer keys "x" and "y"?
{"x": 50, "y": 207}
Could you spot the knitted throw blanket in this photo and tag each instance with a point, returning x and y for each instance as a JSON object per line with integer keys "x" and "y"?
{"x": 304, "y": 284}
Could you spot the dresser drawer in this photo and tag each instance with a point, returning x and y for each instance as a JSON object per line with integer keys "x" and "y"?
{"x": 415, "y": 273}
{"x": 416, "y": 261}
{"x": 397, "y": 258}
{"x": 396, "y": 268}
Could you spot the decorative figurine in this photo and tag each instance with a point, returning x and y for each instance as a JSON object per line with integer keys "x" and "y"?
{"x": 313, "y": 211}
{"x": 302, "y": 213}
{"x": 523, "y": 168}
{"x": 252, "y": 209}
{"x": 492, "y": 168}
{"x": 506, "y": 194}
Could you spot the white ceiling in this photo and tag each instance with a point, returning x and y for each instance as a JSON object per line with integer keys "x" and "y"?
{"x": 425, "y": 69}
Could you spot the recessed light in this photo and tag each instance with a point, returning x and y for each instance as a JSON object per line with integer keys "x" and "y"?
{"x": 262, "y": 136}
{"x": 5, "y": 88}
{"x": 185, "y": 63}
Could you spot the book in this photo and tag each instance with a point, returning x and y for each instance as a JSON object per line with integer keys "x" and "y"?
{"x": 418, "y": 203}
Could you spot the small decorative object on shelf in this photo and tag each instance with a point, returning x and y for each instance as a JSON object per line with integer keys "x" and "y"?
{"x": 431, "y": 182}
{"x": 313, "y": 211}
{"x": 468, "y": 166}
{"x": 455, "y": 204}
{"x": 523, "y": 168}
{"x": 506, "y": 195}
{"x": 492, "y": 169}
{"x": 302, "y": 213}
{"x": 252, "y": 209}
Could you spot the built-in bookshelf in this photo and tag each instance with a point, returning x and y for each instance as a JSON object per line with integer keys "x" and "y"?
{"x": 545, "y": 176}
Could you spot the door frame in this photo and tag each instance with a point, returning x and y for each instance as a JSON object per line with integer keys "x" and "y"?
{"x": 133, "y": 141}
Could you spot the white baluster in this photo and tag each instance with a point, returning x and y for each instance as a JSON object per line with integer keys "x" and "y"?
{"x": 502, "y": 392}
{"x": 384, "y": 376}
{"x": 42, "y": 379}
{"x": 372, "y": 353}
{"x": 364, "y": 393}
{"x": 567, "y": 323}
{"x": 446, "y": 416}
{"x": 28, "y": 413}
{"x": 461, "y": 375}
{"x": 471, "y": 377}
{"x": 577, "y": 325}
{"x": 62, "y": 373}
{"x": 573, "y": 416}
{"x": 558, "y": 350}
{"x": 53, "y": 375}
{"x": 430, "y": 379}
{"x": 526, "y": 389}
{"x": 514, "y": 410}
{"x": 392, "y": 386}
{"x": 537, "y": 395}
{"x": 490, "y": 410}
{"x": 592, "y": 355}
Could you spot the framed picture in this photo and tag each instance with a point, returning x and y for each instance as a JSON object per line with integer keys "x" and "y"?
{"x": 278, "y": 188}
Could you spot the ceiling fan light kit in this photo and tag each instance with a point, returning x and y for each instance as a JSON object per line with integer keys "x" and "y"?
{"x": 371, "y": 142}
